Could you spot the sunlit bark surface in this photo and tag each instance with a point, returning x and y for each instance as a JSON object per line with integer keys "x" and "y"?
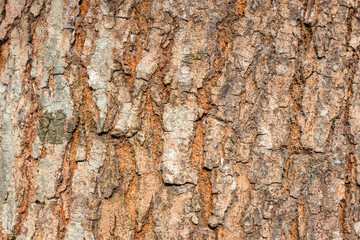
{"x": 176, "y": 119}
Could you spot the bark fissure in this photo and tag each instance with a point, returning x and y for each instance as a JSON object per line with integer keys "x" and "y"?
{"x": 151, "y": 119}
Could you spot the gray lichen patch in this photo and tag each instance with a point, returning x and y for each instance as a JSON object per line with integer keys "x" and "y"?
{"x": 51, "y": 127}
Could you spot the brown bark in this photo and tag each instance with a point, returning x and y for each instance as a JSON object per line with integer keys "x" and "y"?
{"x": 173, "y": 119}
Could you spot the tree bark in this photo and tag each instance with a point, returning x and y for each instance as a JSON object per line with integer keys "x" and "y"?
{"x": 164, "y": 119}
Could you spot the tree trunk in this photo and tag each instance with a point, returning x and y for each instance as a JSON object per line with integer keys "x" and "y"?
{"x": 174, "y": 119}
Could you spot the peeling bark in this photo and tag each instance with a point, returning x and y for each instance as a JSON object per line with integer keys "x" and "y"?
{"x": 129, "y": 119}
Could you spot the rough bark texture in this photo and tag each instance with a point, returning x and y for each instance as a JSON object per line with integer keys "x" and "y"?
{"x": 176, "y": 119}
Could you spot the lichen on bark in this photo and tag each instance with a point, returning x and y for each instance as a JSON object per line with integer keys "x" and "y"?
{"x": 224, "y": 119}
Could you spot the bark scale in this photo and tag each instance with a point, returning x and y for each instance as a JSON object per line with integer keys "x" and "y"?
{"x": 163, "y": 119}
